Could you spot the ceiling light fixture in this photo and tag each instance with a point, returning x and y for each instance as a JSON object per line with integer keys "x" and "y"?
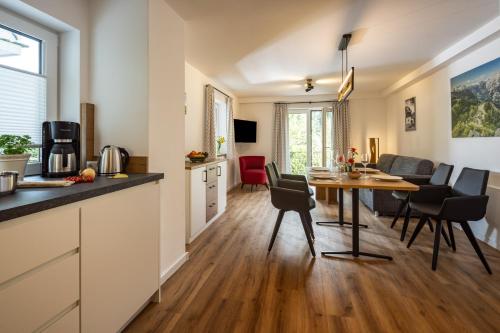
{"x": 309, "y": 85}
{"x": 347, "y": 85}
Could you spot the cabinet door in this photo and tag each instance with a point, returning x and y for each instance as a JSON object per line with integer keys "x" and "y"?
{"x": 119, "y": 256}
{"x": 222, "y": 187}
{"x": 198, "y": 200}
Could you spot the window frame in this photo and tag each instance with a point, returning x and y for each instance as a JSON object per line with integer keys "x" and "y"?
{"x": 222, "y": 99}
{"x": 48, "y": 66}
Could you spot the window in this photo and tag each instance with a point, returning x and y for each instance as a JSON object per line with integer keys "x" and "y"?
{"x": 221, "y": 123}
{"x": 310, "y": 138}
{"x": 28, "y": 81}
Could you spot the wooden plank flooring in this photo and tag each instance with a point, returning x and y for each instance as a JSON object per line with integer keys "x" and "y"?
{"x": 231, "y": 284}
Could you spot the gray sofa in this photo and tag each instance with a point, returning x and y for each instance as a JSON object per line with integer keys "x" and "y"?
{"x": 412, "y": 169}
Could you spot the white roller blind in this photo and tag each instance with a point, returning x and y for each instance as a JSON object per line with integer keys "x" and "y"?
{"x": 23, "y": 103}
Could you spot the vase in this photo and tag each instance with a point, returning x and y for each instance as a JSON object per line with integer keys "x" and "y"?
{"x": 16, "y": 162}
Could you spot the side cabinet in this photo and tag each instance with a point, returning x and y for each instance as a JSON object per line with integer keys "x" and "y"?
{"x": 119, "y": 256}
{"x": 196, "y": 195}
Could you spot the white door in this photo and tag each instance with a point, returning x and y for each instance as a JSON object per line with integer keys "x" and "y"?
{"x": 198, "y": 200}
{"x": 221, "y": 187}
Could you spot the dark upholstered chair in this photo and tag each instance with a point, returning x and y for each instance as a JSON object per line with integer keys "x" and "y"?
{"x": 466, "y": 201}
{"x": 441, "y": 176}
{"x": 291, "y": 195}
{"x": 288, "y": 176}
{"x": 252, "y": 171}
{"x": 383, "y": 202}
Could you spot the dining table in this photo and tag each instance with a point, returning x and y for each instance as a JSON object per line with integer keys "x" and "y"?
{"x": 343, "y": 182}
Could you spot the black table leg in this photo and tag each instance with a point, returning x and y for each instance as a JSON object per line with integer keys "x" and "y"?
{"x": 341, "y": 221}
{"x": 355, "y": 233}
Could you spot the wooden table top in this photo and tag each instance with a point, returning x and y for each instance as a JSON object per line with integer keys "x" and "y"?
{"x": 345, "y": 182}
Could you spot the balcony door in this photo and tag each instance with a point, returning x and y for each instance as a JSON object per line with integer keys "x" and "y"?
{"x": 310, "y": 138}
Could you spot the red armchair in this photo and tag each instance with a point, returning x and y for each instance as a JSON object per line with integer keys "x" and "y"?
{"x": 252, "y": 171}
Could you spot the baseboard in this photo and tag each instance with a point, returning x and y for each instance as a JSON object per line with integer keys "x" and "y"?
{"x": 166, "y": 274}
{"x": 209, "y": 223}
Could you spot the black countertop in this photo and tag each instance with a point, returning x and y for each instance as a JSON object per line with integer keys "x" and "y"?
{"x": 28, "y": 201}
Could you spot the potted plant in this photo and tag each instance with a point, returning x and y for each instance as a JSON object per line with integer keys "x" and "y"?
{"x": 14, "y": 153}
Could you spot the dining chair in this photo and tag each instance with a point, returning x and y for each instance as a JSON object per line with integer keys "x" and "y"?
{"x": 465, "y": 202}
{"x": 289, "y": 176}
{"x": 291, "y": 195}
{"x": 441, "y": 176}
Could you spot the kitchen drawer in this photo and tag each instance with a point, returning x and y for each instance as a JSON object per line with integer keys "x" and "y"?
{"x": 32, "y": 300}
{"x": 69, "y": 323}
{"x": 211, "y": 173}
{"x": 211, "y": 210}
{"x": 212, "y": 192}
{"x": 32, "y": 240}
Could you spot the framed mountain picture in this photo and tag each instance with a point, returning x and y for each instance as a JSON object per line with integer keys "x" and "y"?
{"x": 475, "y": 102}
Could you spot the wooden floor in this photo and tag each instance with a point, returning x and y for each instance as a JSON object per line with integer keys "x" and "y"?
{"x": 231, "y": 284}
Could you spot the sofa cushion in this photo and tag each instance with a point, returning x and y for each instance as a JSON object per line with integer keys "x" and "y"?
{"x": 405, "y": 165}
{"x": 385, "y": 161}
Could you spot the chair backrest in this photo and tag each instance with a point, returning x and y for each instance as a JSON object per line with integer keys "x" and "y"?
{"x": 471, "y": 182}
{"x": 276, "y": 170}
{"x": 271, "y": 175}
{"x": 252, "y": 162}
{"x": 442, "y": 174}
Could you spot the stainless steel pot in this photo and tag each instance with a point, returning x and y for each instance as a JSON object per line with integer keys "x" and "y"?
{"x": 8, "y": 182}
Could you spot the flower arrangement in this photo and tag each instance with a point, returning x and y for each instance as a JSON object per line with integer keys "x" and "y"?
{"x": 352, "y": 153}
{"x": 220, "y": 141}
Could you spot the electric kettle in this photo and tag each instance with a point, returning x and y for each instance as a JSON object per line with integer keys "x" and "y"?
{"x": 112, "y": 160}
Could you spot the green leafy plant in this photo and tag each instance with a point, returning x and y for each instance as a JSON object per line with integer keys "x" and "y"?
{"x": 15, "y": 144}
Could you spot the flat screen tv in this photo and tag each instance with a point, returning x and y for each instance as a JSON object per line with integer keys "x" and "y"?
{"x": 245, "y": 131}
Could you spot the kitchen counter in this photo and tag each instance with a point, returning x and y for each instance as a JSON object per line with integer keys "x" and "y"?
{"x": 208, "y": 161}
{"x": 30, "y": 200}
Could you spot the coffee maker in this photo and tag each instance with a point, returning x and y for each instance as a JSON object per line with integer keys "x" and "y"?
{"x": 60, "y": 149}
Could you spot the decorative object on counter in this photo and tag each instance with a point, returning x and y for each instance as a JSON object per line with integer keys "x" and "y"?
{"x": 86, "y": 176}
{"x": 14, "y": 153}
{"x": 119, "y": 176}
{"x": 112, "y": 160}
{"x": 197, "y": 156}
{"x": 60, "y": 149}
{"x": 351, "y": 158}
{"x": 220, "y": 140}
{"x": 8, "y": 182}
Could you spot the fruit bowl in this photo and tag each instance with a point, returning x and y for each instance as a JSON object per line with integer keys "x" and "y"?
{"x": 354, "y": 174}
{"x": 197, "y": 157}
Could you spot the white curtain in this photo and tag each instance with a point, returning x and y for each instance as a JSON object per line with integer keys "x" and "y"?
{"x": 231, "y": 148}
{"x": 280, "y": 137}
{"x": 209, "y": 134}
{"x": 341, "y": 127}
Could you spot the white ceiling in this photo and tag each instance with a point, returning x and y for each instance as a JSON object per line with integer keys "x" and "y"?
{"x": 268, "y": 47}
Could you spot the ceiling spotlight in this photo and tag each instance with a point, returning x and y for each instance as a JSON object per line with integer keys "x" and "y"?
{"x": 309, "y": 85}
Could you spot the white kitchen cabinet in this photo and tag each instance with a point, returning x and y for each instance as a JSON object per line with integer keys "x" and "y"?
{"x": 119, "y": 256}
{"x": 222, "y": 187}
{"x": 206, "y": 186}
{"x": 196, "y": 195}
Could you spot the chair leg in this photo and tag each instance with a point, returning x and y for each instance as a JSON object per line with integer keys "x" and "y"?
{"x": 398, "y": 212}
{"x": 437, "y": 238}
{"x": 420, "y": 225}
{"x": 429, "y": 223}
{"x": 452, "y": 236}
{"x": 242, "y": 184}
{"x": 310, "y": 220}
{"x": 303, "y": 219}
{"x": 406, "y": 222}
{"x": 251, "y": 188}
{"x": 267, "y": 186}
{"x": 276, "y": 228}
{"x": 475, "y": 245}
{"x": 445, "y": 236}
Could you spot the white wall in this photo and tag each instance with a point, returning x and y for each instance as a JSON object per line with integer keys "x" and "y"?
{"x": 119, "y": 73}
{"x": 368, "y": 119}
{"x": 166, "y": 125}
{"x": 433, "y": 140}
{"x": 195, "y": 116}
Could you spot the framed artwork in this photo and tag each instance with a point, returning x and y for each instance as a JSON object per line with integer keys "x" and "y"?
{"x": 410, "y": 115}
{"x": 475, "y": 102}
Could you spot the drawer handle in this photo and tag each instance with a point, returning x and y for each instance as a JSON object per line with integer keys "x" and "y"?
{"x": 219, "y": 171}
{"x": 204, "y": 174}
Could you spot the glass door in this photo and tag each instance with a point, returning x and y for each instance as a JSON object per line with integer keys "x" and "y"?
{"x": 310, "y": 139}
